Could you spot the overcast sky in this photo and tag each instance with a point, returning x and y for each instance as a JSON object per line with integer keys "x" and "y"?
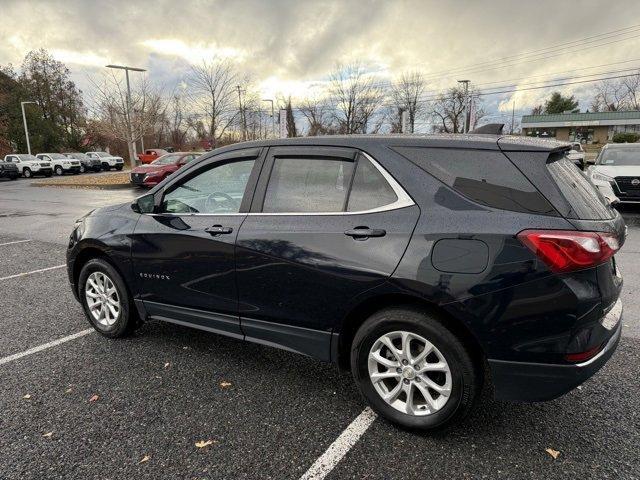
{"x": 286, "y": 46}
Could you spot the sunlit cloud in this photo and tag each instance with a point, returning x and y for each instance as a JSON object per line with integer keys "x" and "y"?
{"x": 191, "y": 52}
{"x": 88, "y": 59}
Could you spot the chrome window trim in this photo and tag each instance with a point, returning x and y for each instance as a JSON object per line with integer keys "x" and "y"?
{"x": 403, "y": 200}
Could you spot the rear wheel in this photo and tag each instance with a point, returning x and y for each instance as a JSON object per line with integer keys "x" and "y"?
{"x": 414, "y": 371}
{"x": 105, "y": 299}
{"x": 106, "y": 167}
{"x": 26, "y": 173}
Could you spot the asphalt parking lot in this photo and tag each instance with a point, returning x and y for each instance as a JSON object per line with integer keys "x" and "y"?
{"x": 89, "y": 407}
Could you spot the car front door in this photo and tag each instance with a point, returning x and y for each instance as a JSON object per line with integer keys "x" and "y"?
{"x": 326, "y": 225}
{"x": 183, "y": 254}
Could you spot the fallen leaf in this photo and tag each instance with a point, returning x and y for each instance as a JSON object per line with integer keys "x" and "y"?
{"x": 94, "y": 398}
{"x": 185, "y": 348}
{"x": 225, "y": 384}
{"x": 48, "y": 434}
{"x": 552, "y": 452}
{"x": 27, "y": 396}
{"x": 204, "y": 443}
{"x": 146, "y": 458}
{"x": 68, "y": 390}
{"x": 166, "y": 365}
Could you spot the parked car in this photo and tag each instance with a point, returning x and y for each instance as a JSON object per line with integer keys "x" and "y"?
{"x": 151, "y": 154}
{"x": 152, "y": 174}
{"x": 29, "y": 165}
{"x": 577, "y": 155}
{"x": 419, "y": 263}
{"x": 60, "y": 163}
{"x": 107, "y": 160}
{"x": 616, "y": 172}
{"x": 86, "y": 163}
{"x": 9, "y": 170}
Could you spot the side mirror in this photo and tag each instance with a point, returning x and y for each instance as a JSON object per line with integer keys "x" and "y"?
{"x": 144, "y": 204}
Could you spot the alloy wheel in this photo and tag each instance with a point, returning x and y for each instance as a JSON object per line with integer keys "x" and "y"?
{"x": 102, "y": 299}
{"x": 409, "y": 373}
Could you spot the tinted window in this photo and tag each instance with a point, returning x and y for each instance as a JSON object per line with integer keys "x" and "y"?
{"x": 217, "y": 190}
{"x": 487, "y": 177}
{"x": 308, "y": 185}
{"x": 370, "y": 189}
{"x": 627, "y": 155}
{"x": 584, "y": 198}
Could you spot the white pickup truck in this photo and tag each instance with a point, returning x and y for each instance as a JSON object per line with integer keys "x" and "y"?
{"x": 108, "y": 161}
{"x": 29, "y": 165}
{"x": 60, "y": 163}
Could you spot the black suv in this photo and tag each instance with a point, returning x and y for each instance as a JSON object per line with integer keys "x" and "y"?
{"x": 425, "y": 265}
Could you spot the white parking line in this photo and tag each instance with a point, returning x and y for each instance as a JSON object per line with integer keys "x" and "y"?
{"x": 32, "y": 272}
{"x": 16, "y": 241}
{"x": 341, "y": 446}
{"x": 44, "y": 346}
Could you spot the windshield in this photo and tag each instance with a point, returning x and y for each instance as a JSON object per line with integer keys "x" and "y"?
{"x": 57, "y": 156}
{"x": 169, "y": 159}
{"x": 26, "y": 156}
{"x": 77, "y": 156}
{"x": 620, "y": 156}
{"x": 103, "y": 154}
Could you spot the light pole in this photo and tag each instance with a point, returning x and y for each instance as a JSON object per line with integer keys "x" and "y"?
{"x": 132, "y": 143}
{"x": 273, "y": 118}
{"x": 466, "y": 104}
{"x": 26, "y": 130}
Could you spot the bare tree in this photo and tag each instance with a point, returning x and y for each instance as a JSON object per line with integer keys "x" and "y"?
{"x": 115, "y": 120}
{"x": 537, "y": 110}
{"x": 355, "y": 96}
{"x": 406, "y": 93}
{"x": 317, "y": 111}
{"x": 448, "y": 110}
{"x": 214, "y": 94}
{"x": 614, "y": 95}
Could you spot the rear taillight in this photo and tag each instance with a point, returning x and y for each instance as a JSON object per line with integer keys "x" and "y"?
{"x": 568, "y": 250}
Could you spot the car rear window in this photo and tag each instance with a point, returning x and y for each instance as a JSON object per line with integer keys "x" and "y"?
{"x": 585, "y": 199}
{"x": 486, "y": 177}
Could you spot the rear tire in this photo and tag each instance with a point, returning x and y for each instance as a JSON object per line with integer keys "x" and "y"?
{"x": 112, "y": 314}
{"x": 449, "y": 369}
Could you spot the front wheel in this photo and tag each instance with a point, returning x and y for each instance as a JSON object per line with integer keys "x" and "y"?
{"x": 413, "y": 370}
{"x": 119, "y": 167}
{"x": 106, "y": 167}
{"x": 82, "y": 169}
{"x": 27, "y": 173}
{"x": 58, "y": 170}
{"x": 105, "y": 299}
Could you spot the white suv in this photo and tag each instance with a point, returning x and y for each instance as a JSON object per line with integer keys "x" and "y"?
{"x": 60, "y": 163}
{"x": 28, "y": 165}
{"x": 617, "y": 172}
{"x": 108, "y": 161}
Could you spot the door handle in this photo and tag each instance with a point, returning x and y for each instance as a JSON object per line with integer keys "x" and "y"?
{"x": 362, "y": 233}
{"x": 218, "y": 230}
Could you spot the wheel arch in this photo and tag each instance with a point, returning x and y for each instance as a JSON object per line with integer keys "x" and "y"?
{"x": 361, "y": 312}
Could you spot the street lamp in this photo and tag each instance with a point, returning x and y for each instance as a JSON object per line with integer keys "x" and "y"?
{"x": 129, "y": 132}
{"x": 26, "y": 130}
{"x": 273, "y": 118}
{"x": 466, "y": 103}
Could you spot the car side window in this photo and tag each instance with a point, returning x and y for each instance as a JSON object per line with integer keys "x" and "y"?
{"x": 370, "y": 189}
{"x": 218, "y": 189}
{"x": 307, "y": 185}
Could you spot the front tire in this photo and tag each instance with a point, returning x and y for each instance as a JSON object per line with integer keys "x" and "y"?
{"x": 105, "y": 299}
{"x": 414, "y": 371}
{"x": 58, "y": 171}
{"x": 26, "y": 173}
{"x": 106, "y": 167}
{"x": 119, "y": 167}
{"x": 82, "y": 169}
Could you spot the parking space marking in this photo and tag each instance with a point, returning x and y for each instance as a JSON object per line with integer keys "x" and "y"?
{"x": 33, "y": 271}
{"x": 14, "y": 242}
{"x": 44, "y": 346}
{"x": 341, "y": 446}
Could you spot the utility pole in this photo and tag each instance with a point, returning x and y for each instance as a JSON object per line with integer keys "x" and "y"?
{"x": 132, "y": 142}
{"x": 26, "y": 130}
{"x": 273, "y": 118}
{"x": 513, "y": 115}
{"x": 466, "y": 104}
{"x": 242, "y": 119}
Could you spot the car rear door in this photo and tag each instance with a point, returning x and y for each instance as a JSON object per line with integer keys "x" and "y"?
{"x": 326, "y": 225}
{"x": 183, "y": 255}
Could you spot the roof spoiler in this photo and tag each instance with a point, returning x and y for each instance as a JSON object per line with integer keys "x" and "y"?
{"x": 489, "y": 129}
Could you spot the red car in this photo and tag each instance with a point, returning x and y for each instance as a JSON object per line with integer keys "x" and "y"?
{"x": 153, "y": 173}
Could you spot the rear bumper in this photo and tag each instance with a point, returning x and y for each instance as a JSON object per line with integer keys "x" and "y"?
{"x": 539, "y": 382}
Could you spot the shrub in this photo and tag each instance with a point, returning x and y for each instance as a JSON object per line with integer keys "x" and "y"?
{"x": 626, "y": 137}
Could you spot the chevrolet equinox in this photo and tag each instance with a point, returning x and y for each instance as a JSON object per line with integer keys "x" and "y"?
{"x": 427, "y": 265}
